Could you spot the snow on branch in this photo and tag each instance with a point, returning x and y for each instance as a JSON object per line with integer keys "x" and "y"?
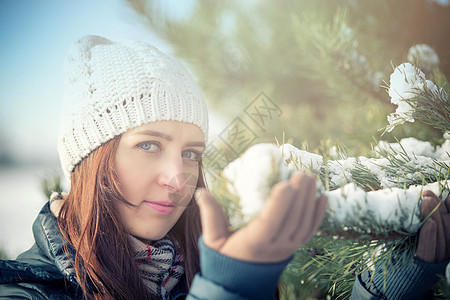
{"x": 417, "y": 98}
{"x": 367, "y": 196}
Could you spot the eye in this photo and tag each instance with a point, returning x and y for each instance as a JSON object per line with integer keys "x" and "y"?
{"x": 149, "y": 146}
{"x": 192, "y": 155}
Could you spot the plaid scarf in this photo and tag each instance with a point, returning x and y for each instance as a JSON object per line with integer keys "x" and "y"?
{"x": 160, "y": 265}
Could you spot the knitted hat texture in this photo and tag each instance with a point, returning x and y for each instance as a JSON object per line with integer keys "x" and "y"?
{"x": 111, "y": 87}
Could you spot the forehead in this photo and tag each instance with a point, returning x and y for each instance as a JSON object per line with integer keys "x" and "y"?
{"x": 169, "y": 130}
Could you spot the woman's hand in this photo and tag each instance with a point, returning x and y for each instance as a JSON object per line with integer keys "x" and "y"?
{"x": 289, "y": 219}
{"x": 434, "y": 236}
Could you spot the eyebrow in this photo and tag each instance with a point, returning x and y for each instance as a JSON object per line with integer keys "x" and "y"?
{"x": 168, "y": 137}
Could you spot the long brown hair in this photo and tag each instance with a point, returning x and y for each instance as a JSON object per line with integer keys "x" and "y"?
{"x": 90, "y": 222}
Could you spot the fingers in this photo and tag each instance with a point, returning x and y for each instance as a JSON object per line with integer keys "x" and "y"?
{"x": 429, "y": 203}
{"x": 446, "y": 226}
{"x": 289, "y": 218}
{"x": 292, "y": 212}
{"x": 447, "y": 203}
{"x": 426, "y": 248}
{"x": 308, "y": 212}
{"x": 433, "y": 208}
{"x": 302, "y": 214}
{"x": 436, "y": 200}
{"x": 214, "y": 221}
{"x": 277, "y": 207}
{"x": 319, "y": 213}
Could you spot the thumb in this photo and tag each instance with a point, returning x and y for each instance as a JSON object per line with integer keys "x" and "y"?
{"x": 214, "y": 222}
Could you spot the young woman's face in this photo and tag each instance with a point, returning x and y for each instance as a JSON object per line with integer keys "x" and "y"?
{"x": 157, "y": 164}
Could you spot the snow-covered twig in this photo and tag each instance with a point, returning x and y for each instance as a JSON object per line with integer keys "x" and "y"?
{"x": 417, "y": 98}
{"x": 351, "y": 208}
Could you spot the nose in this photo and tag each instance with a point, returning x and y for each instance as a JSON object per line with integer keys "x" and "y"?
{"x": 178, "y": 182}
{"x": 172, "y": 175}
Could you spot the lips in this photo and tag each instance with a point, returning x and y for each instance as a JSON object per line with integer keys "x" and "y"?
{"x": 162, "y": 207}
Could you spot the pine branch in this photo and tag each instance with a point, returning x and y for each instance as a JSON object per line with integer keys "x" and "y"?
{"x": 50, "y": 184}
{"x": 332, "y": 263}
{"x": 365, "y": 209}
{"x": 432, "y": 107}
{"x": 337, "y": 53}
{"x": 355, "y": 235}
{"x": 418, "y": 98}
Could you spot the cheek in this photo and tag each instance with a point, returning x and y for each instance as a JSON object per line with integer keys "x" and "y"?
{"x": 191, "y": 172}
{"x": 191, "y": 178}
{"x": 133, "y": 178}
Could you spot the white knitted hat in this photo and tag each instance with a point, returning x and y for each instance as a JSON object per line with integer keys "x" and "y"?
{"x": 111, "y": 87}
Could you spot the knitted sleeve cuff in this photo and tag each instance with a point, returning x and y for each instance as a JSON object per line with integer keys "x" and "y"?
{"x": 411, "y": 281}
{"x": 251, "y": 280}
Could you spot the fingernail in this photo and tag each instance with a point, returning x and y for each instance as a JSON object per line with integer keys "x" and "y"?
{"x": 198, "y": 193}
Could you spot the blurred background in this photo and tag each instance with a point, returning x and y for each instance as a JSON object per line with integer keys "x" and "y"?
{"x": 311, "y": 72}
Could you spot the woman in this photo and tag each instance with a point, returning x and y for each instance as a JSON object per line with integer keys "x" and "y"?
{"x": 133, "y": 131}
{"x": 132, "y": 136}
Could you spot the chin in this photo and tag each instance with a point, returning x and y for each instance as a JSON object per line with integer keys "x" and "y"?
{"x": 151, "y": 237}
{"x": 157, "y": 237}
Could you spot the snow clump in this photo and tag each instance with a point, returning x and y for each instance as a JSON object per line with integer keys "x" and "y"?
{"x": 252, "y": 176}
{"x": 410, "y": 145}
{"x": 405, "y": 82}
{"x": 414, "y": 147}
{"x": 424, "y": 56}
{"x": 391, "y": 209}
{"x": 300, "y": 159}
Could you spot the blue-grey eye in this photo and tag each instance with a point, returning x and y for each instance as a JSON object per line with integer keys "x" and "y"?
{"x": 191, "y": 155}
{"x": 149, "y": 146}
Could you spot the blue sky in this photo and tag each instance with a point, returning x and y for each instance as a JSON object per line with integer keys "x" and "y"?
{"x": 34, "y": 37}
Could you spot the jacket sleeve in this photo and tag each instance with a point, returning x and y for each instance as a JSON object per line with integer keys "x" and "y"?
{"x": 410, "y": 281}
{"x": 360, "y": 292}
{"x": 224, "y": 278}
{"x": 17, "y": 291}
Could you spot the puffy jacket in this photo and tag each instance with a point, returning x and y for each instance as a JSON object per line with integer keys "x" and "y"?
{"x": 45, "y": 271}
